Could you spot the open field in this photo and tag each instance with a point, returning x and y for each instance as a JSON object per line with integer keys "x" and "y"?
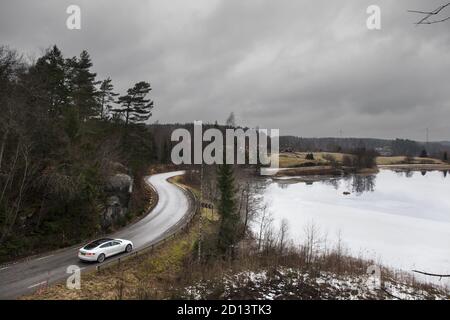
{"x": 320, "y": 161}
{"x": 403, "y": 160}
{"x": 298, "y": 159}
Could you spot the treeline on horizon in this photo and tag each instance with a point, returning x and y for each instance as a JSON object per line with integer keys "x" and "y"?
{"x": 397, "y": 147}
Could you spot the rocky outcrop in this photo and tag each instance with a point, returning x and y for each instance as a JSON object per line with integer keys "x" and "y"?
{"x": 118, "y": 189}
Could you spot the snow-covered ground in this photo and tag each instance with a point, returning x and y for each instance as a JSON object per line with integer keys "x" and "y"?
{"x": 400, "y": 221}
{"x": 288, "y": 283}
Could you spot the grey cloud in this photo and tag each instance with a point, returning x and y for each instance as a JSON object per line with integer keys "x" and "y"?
{"x": 310, "y": 68}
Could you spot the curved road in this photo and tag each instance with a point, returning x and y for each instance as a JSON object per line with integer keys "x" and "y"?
{"x": 172, "y": 209}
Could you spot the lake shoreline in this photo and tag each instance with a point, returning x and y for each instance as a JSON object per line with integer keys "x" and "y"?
{"x": 416, "y": 167}
{"x": 336, "y": 172}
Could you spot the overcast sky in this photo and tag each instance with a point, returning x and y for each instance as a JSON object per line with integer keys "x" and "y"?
{"x": 309, "y": 68}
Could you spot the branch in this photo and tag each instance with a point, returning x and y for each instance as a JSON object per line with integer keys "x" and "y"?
{"x": 432, "y": 274}
{"x": 435, "y": 21}
{"x": 434, "y": 12}
{"x": 390, "y": 294}
{"x": 429, "y": 14}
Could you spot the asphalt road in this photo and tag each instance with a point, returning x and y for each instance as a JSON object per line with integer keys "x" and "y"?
{"x": 172, "y": 208}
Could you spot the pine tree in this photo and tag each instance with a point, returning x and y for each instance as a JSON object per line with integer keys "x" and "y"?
{"x": 51, "y": 74}
{"x": 231, "y": 120}
{"x": 106, "y": 96}
{"x": 227, "y": 208}
{"x": 134, "y": 105}
{"x": 424, "y": 154}
{"x": 83, "y": 86}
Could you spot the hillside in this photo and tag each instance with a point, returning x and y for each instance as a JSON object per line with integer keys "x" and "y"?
{"x": 397, "y": 147}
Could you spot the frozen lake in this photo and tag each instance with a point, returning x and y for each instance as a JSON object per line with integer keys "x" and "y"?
{"x": 399, "y": 219}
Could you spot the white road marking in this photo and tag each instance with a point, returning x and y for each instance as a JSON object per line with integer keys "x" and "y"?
{"x": 4, "y": 268}
{"x": 37, "y": 284}
{"x": 44, "y": 257}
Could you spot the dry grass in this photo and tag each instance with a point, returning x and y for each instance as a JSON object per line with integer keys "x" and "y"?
{"x": 295, "y": 159}
{"x": 309, "y": 171}
{"x": 298, "y": 159}
{"x": 333, "y": 263}
{"x": 403, "y": 160}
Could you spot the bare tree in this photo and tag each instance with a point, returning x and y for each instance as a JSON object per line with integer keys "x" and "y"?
{"x": 249, "y": 205}
{"x": 12, "y": 212}
{"x": 312, "y": 242}
{"x": 432, "y": 274}
{"x": 265, "y": 223}
{"x": 282, "y": 237}
{"x": 6, "y": 122}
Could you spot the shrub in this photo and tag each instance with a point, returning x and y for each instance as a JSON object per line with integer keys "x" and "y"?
{"x": 424, "y": 154}
{"x": 331, "y": 160}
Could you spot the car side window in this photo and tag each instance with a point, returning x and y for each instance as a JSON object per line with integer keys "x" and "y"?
{"x": 115, "y": 243}
{"x": 106, "y": 245}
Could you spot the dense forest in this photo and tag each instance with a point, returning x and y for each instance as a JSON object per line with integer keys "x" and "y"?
{"x": 397, "y": 147}
{"x": 63, "y": 132}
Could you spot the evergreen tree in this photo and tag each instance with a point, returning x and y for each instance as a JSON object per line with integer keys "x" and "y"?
{"x": 71, "y": 123}
{"x": 227, "y": 208}
{"x": 106, "y": 96}
{"x": 231, "y": 120}
{"x": 424, "y": 154}
{"x": 51, "y": 81}
{"x": 165, "y": 157}
{"x": 134, "y": 105}
{"x": 83, "y": 84}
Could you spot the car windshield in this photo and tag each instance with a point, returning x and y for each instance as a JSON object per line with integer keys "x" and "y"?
{"x": 96, "y": 243}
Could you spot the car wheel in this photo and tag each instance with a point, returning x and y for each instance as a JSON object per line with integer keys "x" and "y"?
{"x": 101, "y": 258}
{"x": 128, "y": 248}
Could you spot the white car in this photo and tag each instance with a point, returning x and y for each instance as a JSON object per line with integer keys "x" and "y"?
{"x": 100, "y": 249}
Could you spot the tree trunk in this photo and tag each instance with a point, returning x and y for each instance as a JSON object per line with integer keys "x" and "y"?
{"x": 19, "y": 200}
{"x": 247, "y": 200}
{"x": 2, "y": 147}
{"x": 102, "y": 114}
